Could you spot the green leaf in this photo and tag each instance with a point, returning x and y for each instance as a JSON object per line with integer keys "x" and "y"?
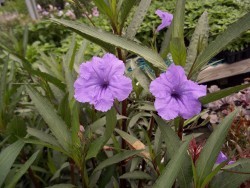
{"x": 57, "y": 126}
{"x": 232, "y": 176}
{"x": 45, "y": 144}
{"x": 97, "y": 34}
{"x": 126, "y": 7}
{"x": 136, "y": 117}
{"x": 57, "y": 173}
{"x": 213, "y": 173}
{"x": 68, "y": 62}
{"x": 169, "y": 174}
{"x": 222, "y": 93}
{"x": 212, "y": 148}
{"x": 75, "y": 126}
{"x": 116, "y": 159}
{"x": 16, "y": 128}
{"x": 62, "y": 186}
{"x": 136, "y": 175}
{"x": 97, "y": 145}
{"x": 232, "y": 32}
{"x": 198, "y": 41}
{"x": 104, "y": 8}
{"x": 22, "y": 171}
{"x": 3, "y": 86}
{"x": 178, "y": 20}
{"x": 138, "y": 17}
{"x": 178, "y": 51}
{"x": 173, "y": 144}
{"x": 134, "y": 142}
{"x": 41, "y": 135}
{"x": 165, "y": 45}
{"x": 8, "y": 157}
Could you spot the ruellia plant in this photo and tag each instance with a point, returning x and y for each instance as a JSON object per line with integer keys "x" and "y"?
{"x": 108, "y": 122}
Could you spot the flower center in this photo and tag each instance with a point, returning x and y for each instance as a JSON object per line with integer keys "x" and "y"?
{"x": 175, "y": 95}
{"x": 105, "y": 84}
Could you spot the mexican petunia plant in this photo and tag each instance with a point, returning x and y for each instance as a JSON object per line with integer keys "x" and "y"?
{"x": 118, "y": 119}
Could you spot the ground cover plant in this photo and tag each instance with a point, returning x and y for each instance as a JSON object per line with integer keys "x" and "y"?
{"x": 99, "y": 119}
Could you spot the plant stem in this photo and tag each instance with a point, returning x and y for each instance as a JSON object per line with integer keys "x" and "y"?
{"x": 72, "y": 170}
{"x": 124, "y": 128}
{"x": 180, "y": 128}
{"x": 84, "y": 176}
{"x": 32, "y": 175}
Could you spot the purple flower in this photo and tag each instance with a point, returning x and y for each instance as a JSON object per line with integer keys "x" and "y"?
{"x": 222, "y": 157}
{"x": 102, "y": 80}
{"x": 166, "y": 19}
{"x": 176, "y": 95}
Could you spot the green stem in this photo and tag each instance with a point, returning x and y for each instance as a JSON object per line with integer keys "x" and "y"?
{"x": 180, "y": 128}
{"x": 84, "y": 176}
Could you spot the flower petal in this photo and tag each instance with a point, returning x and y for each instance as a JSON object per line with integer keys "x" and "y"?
{"x": 166, "y": 19}
{"x": 167, "y": 108}
{"x": 192, "y": 88}
{"x": 120, "y": 87}
{"x": 160, "y": 88}
{"x": 84, "y": 89}
{"x": 221, "y": 158}
{"x": 188, "y": 106}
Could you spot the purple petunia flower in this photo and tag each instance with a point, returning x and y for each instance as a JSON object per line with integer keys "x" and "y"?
{"x": 166, "y": 19}
{"x": 222, "y": 157}
{"x": 102, "y": 80}
{"x": 176, "y": 95}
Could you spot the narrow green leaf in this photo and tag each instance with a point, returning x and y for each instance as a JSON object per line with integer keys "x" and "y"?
{"x": 178, "y": 20}
{"x": 97, "y": 34}
{"x": 232, "y": 176}
{"x": 68, "y": 62}
{"x": 75, "y": 125}
{"x": 57, "y": 173}
{"x": 136, "y": 175}
{"x": 116, "y": 159}
{"x": 212, "y": 174}
{"x": 104, "y": 8}
{"x": 136, "y": 117}
{"x": 212, "y": 148}
{"x": 62, "y": 186}
{"x": 178, "y": 51}
{"x": 45, "y": 144}
{"x": 97, "y": 145}
{"x": 80, "y": 54}
{"x": 57, "y": 126}
{"x": 134, "y": 142}
{"x": 222, "y": 93}
{"x": 22, "y": 171}
{"x": 8, "y": 157}
{"x": 232, "y": 32}
{"x": 198, "y": 41}
{"x": 25, "y": 39}
{"x": 3, "y": 86}
{"x": 41, "y": 135}
{"x": 173, "y": 144}
{"x": 16, "y": 128}
{"x": 126, "y": 7}
{"x": 165, "y": 45}
{"x": 169, "y": 174}
{"x": 137, "y": 20}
